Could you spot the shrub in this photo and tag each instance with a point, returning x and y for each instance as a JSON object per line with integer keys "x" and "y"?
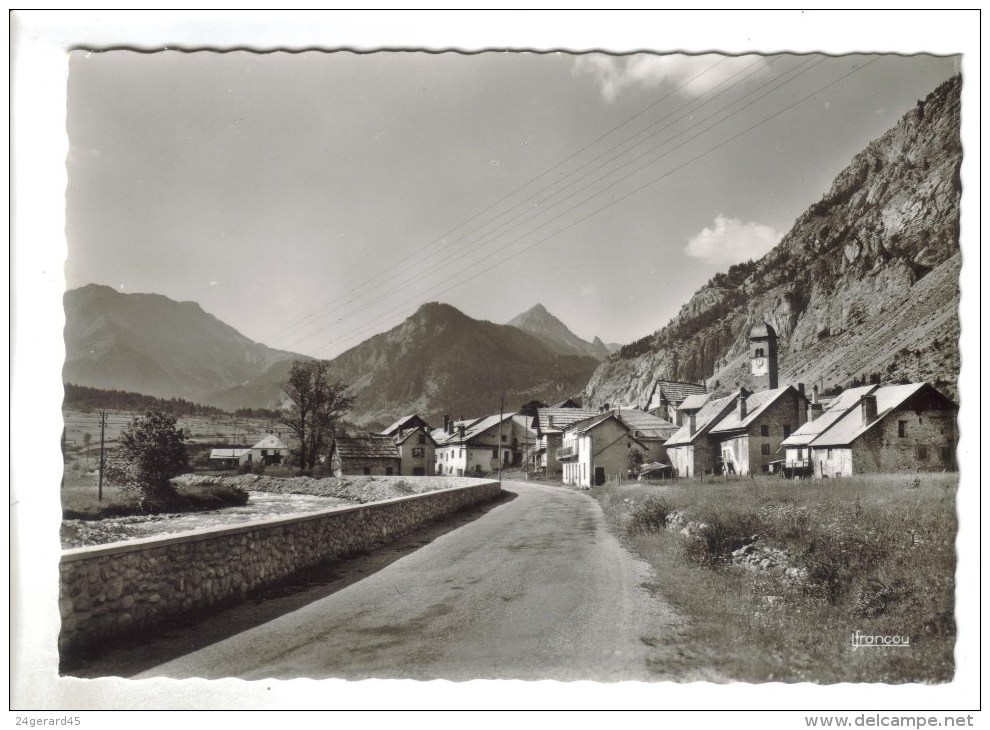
{"x": 245, "y": 468}
{"x": 651, "y": 516}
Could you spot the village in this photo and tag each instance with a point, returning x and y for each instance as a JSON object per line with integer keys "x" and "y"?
{"x": 683, "y": 431}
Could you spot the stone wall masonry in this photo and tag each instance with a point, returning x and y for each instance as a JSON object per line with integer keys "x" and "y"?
{"x": 110, "y": 591}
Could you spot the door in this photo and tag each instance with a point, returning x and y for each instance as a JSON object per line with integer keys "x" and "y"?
{"x": 599, "y": 476}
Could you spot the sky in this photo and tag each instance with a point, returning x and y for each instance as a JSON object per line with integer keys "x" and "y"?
{"x": 311, "y": 200}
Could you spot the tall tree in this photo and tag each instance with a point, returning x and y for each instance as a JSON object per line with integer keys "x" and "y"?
{"x": 315, "y": 403}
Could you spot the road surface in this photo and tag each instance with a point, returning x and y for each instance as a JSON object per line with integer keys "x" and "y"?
{"x": 535, "y": 588}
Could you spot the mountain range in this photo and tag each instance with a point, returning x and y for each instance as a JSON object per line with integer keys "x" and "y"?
{"x": 863, "y": 288}
{"x": 437, "y": 361}
{"x": 538, "y": 322}
{"x": 150, "y": 344}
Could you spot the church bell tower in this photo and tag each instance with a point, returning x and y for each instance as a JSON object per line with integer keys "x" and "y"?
{"x": 763, "y": 356}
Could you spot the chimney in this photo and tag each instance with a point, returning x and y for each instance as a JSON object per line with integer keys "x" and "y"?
{"x": 741, "y": 404}
{"x": 460, "y": 432}
{"x": 679, "y": 417}
{"x": 869, "y": 408}
{"x": 814, "y": 394}
{"x": 802, "y": 406}
{"x": 446, "y": 423}
{"x": 692, "y": 423}
{"x": 550, "y": 422}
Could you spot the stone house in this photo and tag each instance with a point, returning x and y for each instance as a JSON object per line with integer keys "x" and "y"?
{"x": 691, "y": 451}
{"x": 750, "y": 434}
{"x": 881, "y": 428}
{"x": 369, "y": 453}
{"x": 597, "y": 448}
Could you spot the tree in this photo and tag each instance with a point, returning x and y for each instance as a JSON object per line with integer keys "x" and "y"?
{"x": 529, "y": 408}
{"x": 149, "y": 453}
{"x": 635, "y": 459}
{"x": 315, "y": 403}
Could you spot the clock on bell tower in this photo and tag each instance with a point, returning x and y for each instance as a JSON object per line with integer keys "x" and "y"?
{"x": 763, "y": 356}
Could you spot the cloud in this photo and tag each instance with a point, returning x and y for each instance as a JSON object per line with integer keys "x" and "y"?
{"x": 615, "y": 74}
{"x": 730, "y": 241}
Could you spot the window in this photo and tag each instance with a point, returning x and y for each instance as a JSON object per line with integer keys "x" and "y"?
{"x": 367, "y": 470}
{"x": 495, "y": 453}
{"x": 417, "y": 453}
{"x": 945, "y": 454}
{"x": 477, "y": 468}
{"x": 388, "y": 471}
{"x": 765, "y": 449}
{"x": 759, "y": 352}
{"x": 902, "y": 428}
{"x": 421, "y": 439}
{"x": 787, "y": 430}
{"x": 922, "y": 451}
{"x": 505, "y": 437}
{"x": 765, "y": 468}
{"x": 764, "y": 430}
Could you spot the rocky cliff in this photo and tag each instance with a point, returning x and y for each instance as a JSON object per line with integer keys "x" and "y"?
{"x": 864, "y": 287}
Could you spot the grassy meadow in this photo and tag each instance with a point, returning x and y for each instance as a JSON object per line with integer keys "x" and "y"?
{"x": 880, "y": 558}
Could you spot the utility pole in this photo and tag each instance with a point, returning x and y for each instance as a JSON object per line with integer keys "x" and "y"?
{"x": 103, "y": 428}
{"x": 501, "y": 408}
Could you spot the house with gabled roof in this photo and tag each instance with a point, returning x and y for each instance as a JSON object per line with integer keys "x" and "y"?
{"x": 368, "y": 453}
{"x": 482, "y": 445}
{"x": 226, "y": 458}
{"x": 549, "y": 425}
{"x": 880, "y": 428}
{"x": 691, "y": 450}
{"x": 269, "y": 450}
{"x": 406, "y": 423}
{"x": 597, "y": 448}
{"x": 416, "y": 445}
{"x": 749, "y": 435}
{"x": 667, "y": 395}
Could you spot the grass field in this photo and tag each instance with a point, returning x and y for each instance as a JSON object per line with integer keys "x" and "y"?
{"x": 880, "y": 559}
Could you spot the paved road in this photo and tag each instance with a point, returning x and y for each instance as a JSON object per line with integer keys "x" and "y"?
{"x": 534, "y": 588}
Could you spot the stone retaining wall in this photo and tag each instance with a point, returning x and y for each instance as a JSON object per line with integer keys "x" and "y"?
{"x": 108, "y": 591}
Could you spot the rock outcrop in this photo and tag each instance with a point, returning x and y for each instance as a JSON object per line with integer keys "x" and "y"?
{"x": 864, "y": 287}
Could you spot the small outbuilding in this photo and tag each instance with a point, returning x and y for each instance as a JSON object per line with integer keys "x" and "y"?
{"x": 369, "y": 453}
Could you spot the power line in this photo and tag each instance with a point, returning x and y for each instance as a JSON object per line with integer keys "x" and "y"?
{"x": 437, "y": 267}
{"x": 617, "y": 200}
{"x": 365, "y": 291}
{"x": 598, "y": 193}
{"x": 397, "y": 265}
